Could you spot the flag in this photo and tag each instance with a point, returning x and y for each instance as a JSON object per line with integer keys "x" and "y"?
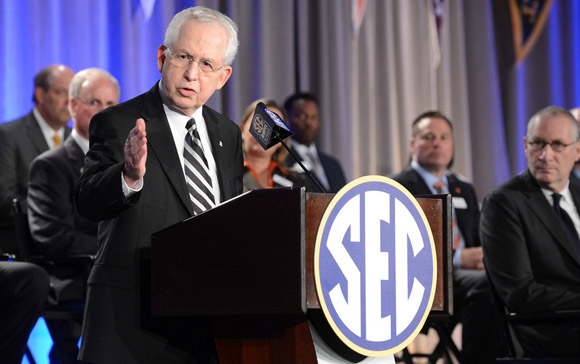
{"x": 528, "y": 20}
{"x": 358, "y": 9}
{"x": 435, "y": 10}
{"x": 148, "y": 6}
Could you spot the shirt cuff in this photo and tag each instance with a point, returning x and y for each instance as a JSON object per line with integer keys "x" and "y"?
{"x": 128, "y": 191}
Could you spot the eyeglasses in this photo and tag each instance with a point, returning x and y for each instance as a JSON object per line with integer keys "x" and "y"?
{"x": 557, "y": 146}
{"x": 183, "y": 60}
{"x": 96, "y": 103}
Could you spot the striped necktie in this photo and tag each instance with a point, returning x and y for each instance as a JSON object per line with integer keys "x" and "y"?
{"x": 196, "y": 171}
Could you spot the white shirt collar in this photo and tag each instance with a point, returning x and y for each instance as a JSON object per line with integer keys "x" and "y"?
{"x": 566, "y": 195}
{"x": 82, "y": 142}
{"x": 47, "y": 131}
{"x": 430, "y": 178}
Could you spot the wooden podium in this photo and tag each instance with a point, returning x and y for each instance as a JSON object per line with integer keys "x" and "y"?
{"x": 248, "y": 266}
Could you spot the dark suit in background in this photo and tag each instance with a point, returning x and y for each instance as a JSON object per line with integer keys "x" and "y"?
{"x": 23, "y": 293}
{"x": 118, "y": 326}
{"x": 55, "y": 224}
{"x": 332, "y": 169}
{"x": 59, "y": 231}
{"x": 472, "y": 299}
{"x": 303, "y": 117}
{"x": 20, "y": 142}
{"x": 533, "y": 263}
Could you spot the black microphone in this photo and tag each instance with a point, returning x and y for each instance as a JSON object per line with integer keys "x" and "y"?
{"x": 269, "y": 129}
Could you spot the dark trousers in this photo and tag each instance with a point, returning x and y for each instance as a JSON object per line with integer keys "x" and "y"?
{"x": 23, "y": 294}
{"x": 474, "y": 307}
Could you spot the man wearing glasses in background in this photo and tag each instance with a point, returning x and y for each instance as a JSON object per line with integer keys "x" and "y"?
{"x": 156, "y": 160}
{"x": 529, "y": 232}
{"x": 23, "y": 139}
{"x": 57, "y": 229}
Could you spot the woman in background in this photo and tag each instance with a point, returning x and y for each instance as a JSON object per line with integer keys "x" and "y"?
{"x": 265, "y": 168}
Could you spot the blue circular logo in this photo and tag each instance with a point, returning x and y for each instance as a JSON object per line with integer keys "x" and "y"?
{"x": 375, "y": 266}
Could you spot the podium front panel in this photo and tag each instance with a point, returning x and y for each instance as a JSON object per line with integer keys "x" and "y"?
{"x": 244, "y": 257}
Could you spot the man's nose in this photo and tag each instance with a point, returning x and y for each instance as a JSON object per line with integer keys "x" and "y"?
{"x": 192, "y": 71}
{"x": 547, "y": 152}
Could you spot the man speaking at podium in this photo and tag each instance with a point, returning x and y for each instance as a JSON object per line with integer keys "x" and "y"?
{"x": 156, "y": 160}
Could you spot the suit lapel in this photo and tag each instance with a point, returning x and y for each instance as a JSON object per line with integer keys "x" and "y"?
{"x": 35, "y": 134}
{"x": 217, "y": 147}
{"x": 540, "y": 206}
{"x": 419, "y": 183}
{"x": 75, "y": 155}
{"x": 162, "y": 146}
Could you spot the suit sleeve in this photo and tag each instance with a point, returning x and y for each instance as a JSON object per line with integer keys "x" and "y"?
{"x": 507, "y": 260}
{"x": 98, "y": 192}
{"x": 7, "y": 176}
{"x": 50, "y": 212}
{"x": 475, "y": 217}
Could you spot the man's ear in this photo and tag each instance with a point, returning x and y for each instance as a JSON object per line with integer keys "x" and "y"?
{"x": 224, "y": 77}
{"x": 161, "y": 57}
{"x": 73, "y": 104}
{"x": 39, "y": 95}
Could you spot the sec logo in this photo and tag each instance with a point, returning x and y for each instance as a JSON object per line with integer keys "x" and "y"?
{"x": 258, "y": 123}
{"x": 375, "y": 266}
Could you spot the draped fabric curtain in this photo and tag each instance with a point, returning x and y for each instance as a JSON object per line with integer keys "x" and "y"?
{"x": 370, "y": 85}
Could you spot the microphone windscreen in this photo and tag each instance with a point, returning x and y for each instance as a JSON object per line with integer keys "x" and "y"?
{"x": 268, "y": 127}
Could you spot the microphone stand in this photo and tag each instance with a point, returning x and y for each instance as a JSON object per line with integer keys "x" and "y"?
{"x": 296, "y": 158}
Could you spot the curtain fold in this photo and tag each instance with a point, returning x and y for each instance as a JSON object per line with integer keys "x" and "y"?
{"x": 370, "y": 86}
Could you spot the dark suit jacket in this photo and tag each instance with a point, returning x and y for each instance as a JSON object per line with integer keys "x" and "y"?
{"x": 56, "y": 227}
{"x": 331, "y": 166}
{"x": 20, "y": 142}
{"x": 55, "y": 224}
{"x": 532, "y": 262}
{"x": 115, "y": 327}
{"x": 467, "y": 219}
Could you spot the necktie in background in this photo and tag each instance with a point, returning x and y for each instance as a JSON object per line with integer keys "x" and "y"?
{"x": 196, "y": 171}
{"x": 318, "y": 170}
{"x": 563, "y": 215}
{"x": 440, "y": 188}
{"x": 56, "y": 139}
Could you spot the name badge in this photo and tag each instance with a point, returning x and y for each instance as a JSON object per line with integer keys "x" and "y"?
{"x": 282, "y": 181}
{"x": 459, "y": 203}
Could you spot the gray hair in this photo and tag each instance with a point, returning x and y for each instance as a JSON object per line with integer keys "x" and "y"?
{"x": 208, "y": 16}
{"x": 76, "y": 84}
{"x": 550, "y": 112}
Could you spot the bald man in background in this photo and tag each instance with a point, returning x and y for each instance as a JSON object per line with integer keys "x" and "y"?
{"x": 57, "y": 229}
{"x": 23, "y": 139}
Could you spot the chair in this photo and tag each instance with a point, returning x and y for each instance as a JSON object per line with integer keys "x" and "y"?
{"x": 445, "y": 348}
{"x": 506, "y": 319}
{"x": 28, "y": 252}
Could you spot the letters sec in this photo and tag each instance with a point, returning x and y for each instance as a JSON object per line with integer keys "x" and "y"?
{"x": 375, "y": 266}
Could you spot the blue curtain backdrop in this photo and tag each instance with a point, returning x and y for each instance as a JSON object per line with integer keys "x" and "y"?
{"x": 114, "y": 35}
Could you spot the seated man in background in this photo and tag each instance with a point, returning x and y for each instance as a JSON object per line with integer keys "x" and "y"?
{"x": 431, "y": 147}
{"x": 23, "y": 292}
{"x": 56, "y": 227}
{"x": 529, "y": 231}
{"x": 576, "y": 113}
{"x": 23, "y": 139}
{"x": 265, "y": 168}
{"x": 304, "y": 121}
